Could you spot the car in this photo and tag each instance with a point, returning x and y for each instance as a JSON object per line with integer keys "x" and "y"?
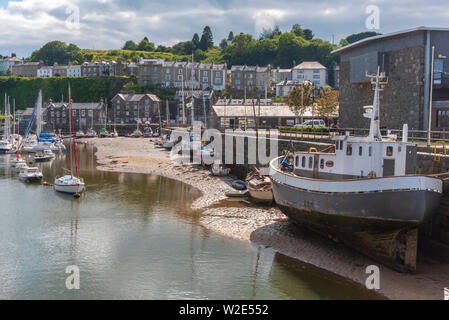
{"x": 311, "y": 123}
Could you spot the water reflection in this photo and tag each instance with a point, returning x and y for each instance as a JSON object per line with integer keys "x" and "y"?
{"x": 133, "y": 236}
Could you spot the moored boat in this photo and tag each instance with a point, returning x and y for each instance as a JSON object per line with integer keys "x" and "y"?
{"x": 259, "y": 187}
{"x": 30, "y": 174}
{"x": 365, "y": 193}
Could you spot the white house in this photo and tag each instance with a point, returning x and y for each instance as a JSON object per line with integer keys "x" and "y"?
{"x": 312, "y": 71}
{"x": 45, "y": 72}
{"x": 74, "y": 71}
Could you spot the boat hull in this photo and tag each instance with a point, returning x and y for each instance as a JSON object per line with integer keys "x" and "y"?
{"x": 341, "y": 214}
{"x": 69, "y": 189}
{"x": 261, "y": 196}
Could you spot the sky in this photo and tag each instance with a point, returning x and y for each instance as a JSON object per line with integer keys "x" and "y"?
{"x": 26, "y": 25}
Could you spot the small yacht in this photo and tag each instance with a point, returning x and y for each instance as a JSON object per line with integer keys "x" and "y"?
{"x": 69, "y": 184}
{"x": 30, "y": 174}
{"x": 44, "y": 156}
{"x": 5, "y": 146}
{"x": 91, "y": 134}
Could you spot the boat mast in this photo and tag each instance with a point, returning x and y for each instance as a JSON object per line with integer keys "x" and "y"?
{"x": 73, "y": 137}
{"x": 373, "y": 112}
{"x": 39, "y": 115}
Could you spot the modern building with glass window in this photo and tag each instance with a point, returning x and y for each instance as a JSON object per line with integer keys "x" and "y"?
{"x": 406, "y": 58}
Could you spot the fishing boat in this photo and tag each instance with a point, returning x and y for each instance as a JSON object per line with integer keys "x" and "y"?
{"x": 80, "y": 134}
{"x": 365, "y": 193}
{"x": 69, "y": 183}
{"x": 5, "y": 146}
{"x": 104, "y": 133}
{"x": 44, "y": 156}
{"x": 30, "y": 174}
{"x": 259, "y": 187}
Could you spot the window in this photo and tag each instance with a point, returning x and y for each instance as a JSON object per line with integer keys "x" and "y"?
{"x": 316, "y": 71}
{"x": 322, "y": 164}
{"x": 389, "y": 151}
{"x": 438, "y": 71}
{"x": 205, "y": 73}
{"x": 180, "y": 71}
{"x": 303, "y": 162}
{"x": 204, "y": 79}
{"x": 360, "y": 151}
{"x": 310, "y": 162}
{"x": 297, "y": 161}
{"x": 370, "y": 151}
{"x": 349, "y": 150}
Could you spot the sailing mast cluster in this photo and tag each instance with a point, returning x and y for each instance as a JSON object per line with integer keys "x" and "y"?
{"x": 39, "y": 147}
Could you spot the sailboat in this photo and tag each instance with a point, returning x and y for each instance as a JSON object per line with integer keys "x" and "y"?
{"x": 5, "y": 144}
{"x": 69, "y": 183}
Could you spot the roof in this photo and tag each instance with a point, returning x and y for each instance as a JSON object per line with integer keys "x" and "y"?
{"x": 278, "y": 111}
{"x": 306, "y": 65}
{"x": 291, "y": 82}
{"x": 136, "y": 97}
{"x": 387, "y": 35}
{"x": 75, "y": 105}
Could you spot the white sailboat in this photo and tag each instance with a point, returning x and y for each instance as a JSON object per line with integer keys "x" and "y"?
{"x": 69, "y": 183}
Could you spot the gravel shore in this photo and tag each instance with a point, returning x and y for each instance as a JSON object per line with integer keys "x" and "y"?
{"x": 266, "y": 226}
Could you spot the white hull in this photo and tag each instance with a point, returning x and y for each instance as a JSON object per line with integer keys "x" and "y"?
{"x": 70, "y": 189}
{"x": 261, "y": 195}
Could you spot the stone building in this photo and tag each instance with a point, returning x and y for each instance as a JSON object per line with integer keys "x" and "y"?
{"x": 406, "y": 58}
{"x": 202, "y": 103}
{"x": 250, "y": 79}
{"x": 25, "y": 69}
{"x": 128, "y": 107}
{"x": 174, "y": 74}
{"x": 102, "y": 69}
{"x": 86, "y": 115}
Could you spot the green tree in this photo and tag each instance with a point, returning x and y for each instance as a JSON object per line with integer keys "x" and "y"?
{"x": 57, "y": 51}
{"x": 308, "y": 34}
{"x": 240, "y": 51}
{"x": 291, "y": 48}
{"x": 130, "y": 45}
{"x": 145, "y": 45}
{"x": 300, "y": 98}
{"x": 207, "y": 40}
{"x": 223, "y": 44}
{"x": 360, "y": 36}
{"x": 327, "y": 102}
{"x": 297, "y": 30}
{"x": 196, "y": 40}
{"x": 264, "y": 51}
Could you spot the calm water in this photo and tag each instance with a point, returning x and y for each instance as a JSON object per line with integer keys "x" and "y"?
{"x": 133, "y": 237}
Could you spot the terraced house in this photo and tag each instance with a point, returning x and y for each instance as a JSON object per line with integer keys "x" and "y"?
{"x": 128, "y": 107}
{"x": 250, "y": 78}
{"x": 86, "y": 115}
{"x": 174, "y": 74}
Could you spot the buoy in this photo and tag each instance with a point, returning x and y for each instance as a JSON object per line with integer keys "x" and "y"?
{"x": 77, "y": 195}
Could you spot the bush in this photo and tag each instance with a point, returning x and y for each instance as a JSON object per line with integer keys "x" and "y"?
{"x": 306, "y": 129}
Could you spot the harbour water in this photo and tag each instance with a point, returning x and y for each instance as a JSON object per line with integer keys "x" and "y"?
{"x": 134, "y": 236}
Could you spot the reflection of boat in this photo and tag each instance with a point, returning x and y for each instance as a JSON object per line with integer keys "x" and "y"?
{"x": 366, "y": 193}
{"x": 69, "y": 183}
{"x": 30, "y": 174}
{"x": 259, "y": 187}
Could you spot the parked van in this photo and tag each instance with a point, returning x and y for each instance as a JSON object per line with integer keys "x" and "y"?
{"x": 310, "y": 123}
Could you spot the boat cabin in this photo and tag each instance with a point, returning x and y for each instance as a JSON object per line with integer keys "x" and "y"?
{"x": 355, "y": 157}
